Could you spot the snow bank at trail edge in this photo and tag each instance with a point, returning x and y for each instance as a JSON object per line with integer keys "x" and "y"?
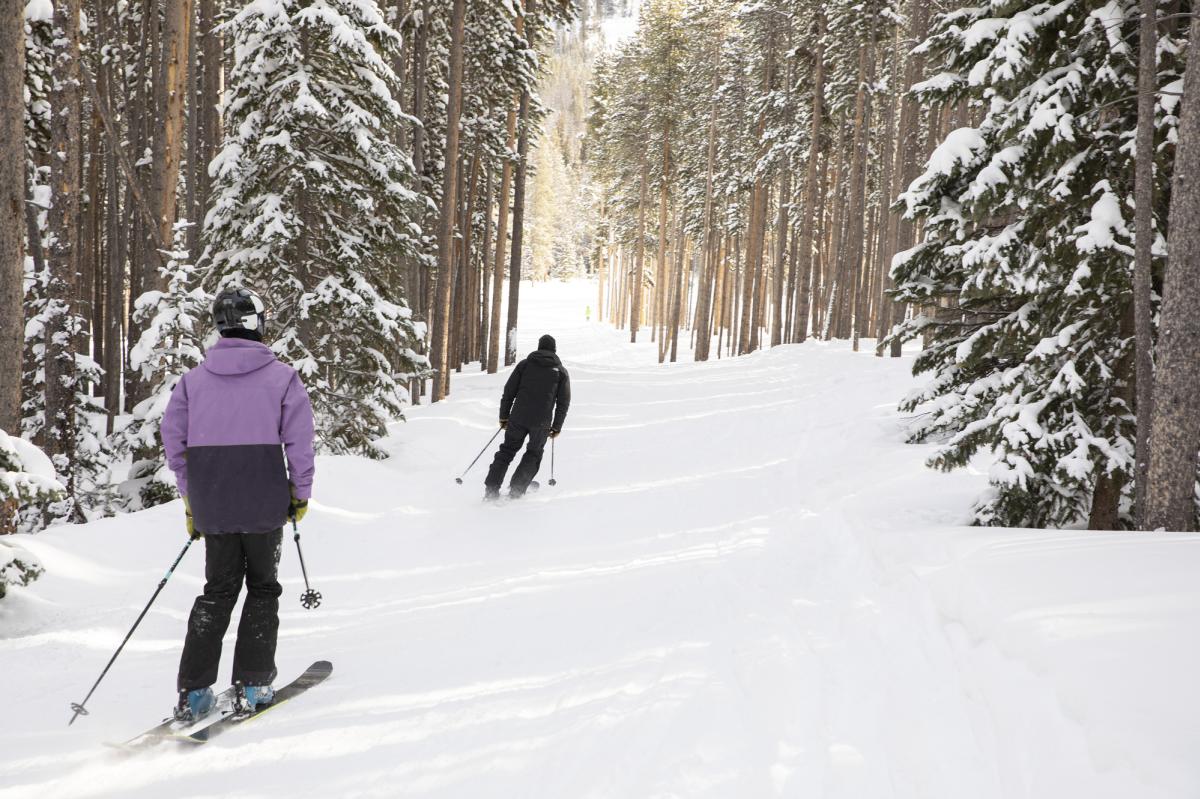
{"x": 744, "y": 585}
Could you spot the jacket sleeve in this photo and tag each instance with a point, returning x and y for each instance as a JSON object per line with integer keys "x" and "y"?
{"x": 562, "y": 401}
{"x": 510, "y": 391}
{"x": 296, "y": 432}
{"x": 174, "y": 434}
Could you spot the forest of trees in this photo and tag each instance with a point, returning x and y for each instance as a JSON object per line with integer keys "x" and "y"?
{"x": 361, "y": 163}
{"x": 961, "y": 177}
{"x": 737, "y": 174}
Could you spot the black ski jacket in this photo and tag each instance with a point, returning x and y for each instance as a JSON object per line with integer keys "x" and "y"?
{"x": 538, "y": 389}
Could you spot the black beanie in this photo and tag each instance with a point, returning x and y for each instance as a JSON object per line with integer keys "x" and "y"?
{"x": 546, "y": 343}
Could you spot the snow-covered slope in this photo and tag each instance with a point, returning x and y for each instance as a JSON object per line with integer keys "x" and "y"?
{"x": 744, "y": 585}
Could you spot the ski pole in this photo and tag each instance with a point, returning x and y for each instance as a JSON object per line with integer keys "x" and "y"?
{"x": 552, "y": 480}
{"x": 477, "y": 457}
{"x": 78, "y": 707}
{"x": 310, "y": 598}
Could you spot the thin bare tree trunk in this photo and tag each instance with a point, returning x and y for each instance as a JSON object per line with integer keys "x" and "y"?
{"x": 857, "y": 267}
{"x": 781, "y": 251}
{"x": 168, "y": 143}
{"x": 635, "y": 313}
{"x": 440, "y": 350}
{"x": 495, "y": 337}
{"x": 482, "y": 315}
{"x": 888, "y": 232}
{"x": 909, "y": 133}
{"x": 64, "y": 254}
{"x": 1143, "y": 259}
{"x": 518, "y": 234}
{"x": 703, "y": 314}
{"x": 12, "y": 210}
{"x": 1175, "y": 432}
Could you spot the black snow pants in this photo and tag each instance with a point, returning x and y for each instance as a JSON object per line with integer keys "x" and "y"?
{"x": 531, "y": 461}
{"x": 230, "y": 558}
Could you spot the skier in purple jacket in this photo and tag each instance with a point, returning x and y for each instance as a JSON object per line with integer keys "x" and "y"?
{"x": 227, "y": 429}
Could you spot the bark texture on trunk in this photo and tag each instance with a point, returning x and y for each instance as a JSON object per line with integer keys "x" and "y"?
{"x": 518, "y": 234}
{"x": 1143, "y": 260}
{"x": 1175, "y": 418}
{"x": 64, "y": 240}
{"x": 440, "y": 350}
{"x": 12, "y": 210}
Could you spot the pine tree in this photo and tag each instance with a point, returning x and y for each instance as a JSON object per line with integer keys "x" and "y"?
{"x": 312, "y": 206}
{"x": 170, "y": 345}
{"x": 30, "y": 494}
{"x": 1026, "y": 262}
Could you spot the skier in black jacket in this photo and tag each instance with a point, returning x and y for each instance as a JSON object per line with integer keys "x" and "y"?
{"x": 535, "y": 402}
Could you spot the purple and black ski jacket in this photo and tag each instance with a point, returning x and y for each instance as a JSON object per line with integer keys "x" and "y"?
{"x": 226, "y": 430}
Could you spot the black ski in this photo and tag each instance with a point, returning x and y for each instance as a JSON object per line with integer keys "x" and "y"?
{"x": 314, "y": 674}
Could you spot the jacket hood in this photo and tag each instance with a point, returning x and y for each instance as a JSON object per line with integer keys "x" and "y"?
{"x": 235, "y": 356}
{"x": 544, "y": 358}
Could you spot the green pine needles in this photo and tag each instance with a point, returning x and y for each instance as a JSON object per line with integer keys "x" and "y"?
{"x": 312, "y": 206}
{"x": 1022, "y": 283}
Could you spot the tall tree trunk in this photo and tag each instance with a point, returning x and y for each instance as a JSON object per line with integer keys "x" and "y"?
{"x": 639, "y": 277}
{"x": 857, "y": 267}
{"x": 464, "y": 325}
{"x": 1143, "y": 260}
{"x": 888, "y": 233}
{"x": 480, "y": 299}
{"x": 677, "y": 298}
{"x": 418, "y": 274}
{"x": 64, "y": 255}
{"x": 781, "y": 251}
{"x": 812, "y": 205}
{"x": 495, "y": 336}
{"x": 518, "y": 234}
{"x": 168, "y": 141}
{"x": 445, "y": 278}
{"x": 1175, "y": 431}
{"x": 835, "y": 286}
{"x": 115, "y": 294}
{"x": 909, "y": 132}
{"x": 12, "y": 210}
{"x": 704, "y": 302}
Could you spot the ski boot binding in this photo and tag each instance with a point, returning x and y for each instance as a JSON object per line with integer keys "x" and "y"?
{"x": 248, "y": 699}
{"x": 194, "y": 705}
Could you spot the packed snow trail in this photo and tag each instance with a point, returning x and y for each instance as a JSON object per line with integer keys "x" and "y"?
{"x": 744, "y": 585}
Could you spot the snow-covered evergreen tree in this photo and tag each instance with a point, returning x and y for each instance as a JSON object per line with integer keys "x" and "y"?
{"x": 172, "y": 322}
{"x": 1025, "y": 268}
{"x": 39, "y": 55}
{"x": 30, "y": 494}
{"x": 313, "y": 205}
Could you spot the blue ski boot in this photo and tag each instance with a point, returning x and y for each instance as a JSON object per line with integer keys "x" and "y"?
{"x": 249, "y": 698}
{"x": 195, "y": 704}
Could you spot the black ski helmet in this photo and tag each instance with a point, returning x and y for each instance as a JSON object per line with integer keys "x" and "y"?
{"x": 237, "y": 307}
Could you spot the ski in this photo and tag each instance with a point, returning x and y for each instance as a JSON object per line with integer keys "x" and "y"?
{"x": 314, "y": 674}
{"x": 171, "y": 729}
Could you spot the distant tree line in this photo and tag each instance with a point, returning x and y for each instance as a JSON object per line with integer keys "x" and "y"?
{"x": 1008, "y": 186}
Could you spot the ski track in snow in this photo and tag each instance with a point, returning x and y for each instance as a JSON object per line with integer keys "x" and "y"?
{"x": 744, "y": 585}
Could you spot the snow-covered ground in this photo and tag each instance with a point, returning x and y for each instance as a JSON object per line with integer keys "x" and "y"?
{"x": 744, "y": 585}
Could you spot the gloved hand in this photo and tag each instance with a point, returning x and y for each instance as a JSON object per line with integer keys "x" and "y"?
{"x": 191, "y": 526}
{"x": 297, "y": 507}
{"x": 503, "y": 424}
{"x": 554, "y": 433}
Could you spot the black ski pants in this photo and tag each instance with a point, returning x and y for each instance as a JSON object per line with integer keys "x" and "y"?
{"x": 531, "y": 461}
{"x": 230, "y": 559}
